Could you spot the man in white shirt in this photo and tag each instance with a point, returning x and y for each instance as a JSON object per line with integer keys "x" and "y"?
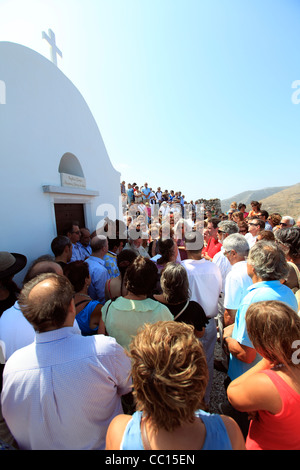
{"x": 137, "y": 247}
{"x": 255, "y": 226}
{"x": 236, "y": 250}
{"x": 225, "y": 228}
{"x": 205, "y": 282}
{"x": 62, "y": 391}
{"x": 15, "y": 331}
{"x": 159, "y": 195}
{"x": 164, "y": 210}
{"x": 138, "y": 196}
{"x": 152, "y": 197}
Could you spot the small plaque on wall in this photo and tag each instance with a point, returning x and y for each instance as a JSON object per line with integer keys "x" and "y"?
{"x": 73, "y": 181}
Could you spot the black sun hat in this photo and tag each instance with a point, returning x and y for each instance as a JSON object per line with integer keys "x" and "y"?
{"x": 11, "y": 263}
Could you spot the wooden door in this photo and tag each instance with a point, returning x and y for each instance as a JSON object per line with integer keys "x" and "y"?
{"x": 66, "y": 213}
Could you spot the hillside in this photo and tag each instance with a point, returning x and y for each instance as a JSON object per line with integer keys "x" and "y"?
{"x": 257, "y": 195}
{"x": 286, "y": 202}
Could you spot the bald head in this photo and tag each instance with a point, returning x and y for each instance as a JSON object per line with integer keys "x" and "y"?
{"x": 47, "y": 302}
{"x": 41, "y": 266}
{"x": 99, "y": 245}
{"x": 46, "y": 267}
{"x": 42, "y": 290}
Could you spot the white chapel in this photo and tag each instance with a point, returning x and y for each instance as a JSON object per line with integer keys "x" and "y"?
{"x": 54, "y": 164}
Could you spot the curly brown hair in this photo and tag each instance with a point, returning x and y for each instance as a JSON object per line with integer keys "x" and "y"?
{"x": 169, "y": 372}
{"x": 273, "y": 327}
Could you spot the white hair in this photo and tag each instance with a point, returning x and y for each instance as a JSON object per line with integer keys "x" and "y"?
{"x": 289, "y": 218}
{"x": 238, "y": 243}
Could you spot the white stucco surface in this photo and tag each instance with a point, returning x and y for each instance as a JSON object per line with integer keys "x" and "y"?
{"x": 42, "y": 117}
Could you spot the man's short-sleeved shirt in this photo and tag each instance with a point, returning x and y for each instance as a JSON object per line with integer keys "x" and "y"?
{"x": 236, "y": 285}
{"x": 205, "y": 282}
{"x": 258, "y": 292}
{"x": 146, "y": 192}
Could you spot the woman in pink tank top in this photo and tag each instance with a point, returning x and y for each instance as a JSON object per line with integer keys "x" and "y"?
{"x": 270, "y": 391}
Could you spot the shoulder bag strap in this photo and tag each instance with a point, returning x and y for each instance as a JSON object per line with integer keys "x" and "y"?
{"x": 106, "y": 334}
{"x": 82, "y": 302}
{"x": 181, "y": 311}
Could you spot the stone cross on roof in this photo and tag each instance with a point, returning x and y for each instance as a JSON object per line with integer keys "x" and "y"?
{"x": 52, "y": 42}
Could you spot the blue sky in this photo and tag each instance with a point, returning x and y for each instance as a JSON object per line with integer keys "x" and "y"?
{"x": 190, "y": 95}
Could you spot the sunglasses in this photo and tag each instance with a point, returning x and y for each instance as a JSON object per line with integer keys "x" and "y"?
{"x": 225, "y": 253}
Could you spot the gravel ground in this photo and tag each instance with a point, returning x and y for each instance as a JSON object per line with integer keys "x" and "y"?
{"x": 218, "y": 394}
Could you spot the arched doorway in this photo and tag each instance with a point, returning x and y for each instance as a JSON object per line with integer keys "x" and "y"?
{"x": 71, "y": 175}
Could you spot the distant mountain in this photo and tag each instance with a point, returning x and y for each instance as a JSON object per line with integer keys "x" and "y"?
{"x": 256, "y": 195}
{"x": 286, "y": 202}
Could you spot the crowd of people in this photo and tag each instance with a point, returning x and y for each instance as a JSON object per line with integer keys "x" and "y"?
{"x": 110, "y": 343}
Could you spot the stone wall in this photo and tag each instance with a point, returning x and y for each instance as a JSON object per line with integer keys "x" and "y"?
{"x": 211, "y": 204}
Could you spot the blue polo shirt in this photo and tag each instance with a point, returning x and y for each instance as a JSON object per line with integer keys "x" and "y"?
{"x": 258, "y": 292}
{"x": 146, "y": 192}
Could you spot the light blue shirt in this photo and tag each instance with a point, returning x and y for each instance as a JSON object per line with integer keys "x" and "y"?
{"x": 216, "y": 437}
{"x": 76, "y": 253}
{"x": 62, "y": 391}
{"x": 268, "y": 226}
{"x": 146, "y": 192}
{"x": 99, "y": 276}
{"x": 130, "y": 194}
{"x": 85, "y": 251}
{"x": 258, "y": 292}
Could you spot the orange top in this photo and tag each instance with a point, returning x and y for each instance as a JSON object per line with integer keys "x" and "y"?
{"x": 280, "y": 431}
{"x": 253, "y": 213}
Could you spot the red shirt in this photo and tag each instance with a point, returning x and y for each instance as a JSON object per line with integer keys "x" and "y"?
{"x": 280, "y": 431}
{"x": 212, "y": 248}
